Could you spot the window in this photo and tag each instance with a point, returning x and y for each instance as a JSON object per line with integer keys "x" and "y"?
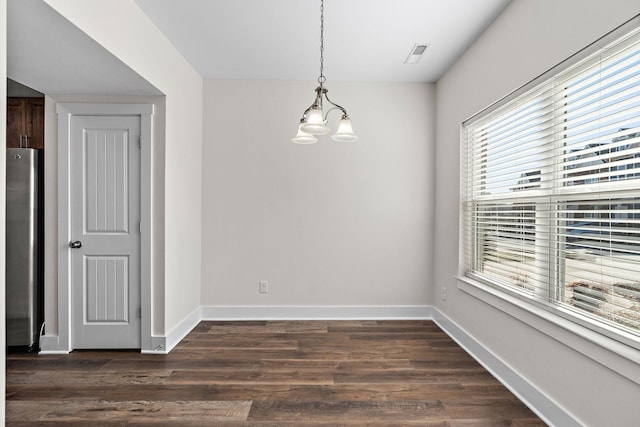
{"x": 552, "y": 189}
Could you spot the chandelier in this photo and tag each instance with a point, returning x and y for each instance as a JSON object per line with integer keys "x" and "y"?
{"x": 314, "y": 119}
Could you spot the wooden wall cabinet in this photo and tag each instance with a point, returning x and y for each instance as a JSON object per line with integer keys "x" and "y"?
{"x": 25, "y": 122}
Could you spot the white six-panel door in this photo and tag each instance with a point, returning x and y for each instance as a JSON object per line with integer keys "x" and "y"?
{"x": 105, "y": 231}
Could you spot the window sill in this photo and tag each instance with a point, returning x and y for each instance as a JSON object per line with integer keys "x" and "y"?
{"x": 612, "y": 354}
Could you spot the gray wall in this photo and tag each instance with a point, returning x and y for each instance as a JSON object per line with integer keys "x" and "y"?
{"x": 329, "y": 224}
{"x": 595, "y": 384}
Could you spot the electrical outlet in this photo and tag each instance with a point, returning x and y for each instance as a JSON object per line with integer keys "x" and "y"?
{"x": 444, "y": 293}
{"x": 263, "y": 286}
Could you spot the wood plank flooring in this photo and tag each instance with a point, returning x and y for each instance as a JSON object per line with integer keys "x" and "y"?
{"x": 267, "y": 374}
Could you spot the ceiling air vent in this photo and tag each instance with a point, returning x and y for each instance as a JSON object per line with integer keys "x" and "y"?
{"x": 416, "y": 53}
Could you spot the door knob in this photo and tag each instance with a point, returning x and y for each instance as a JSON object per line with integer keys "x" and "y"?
{"x": 75, "y": 245}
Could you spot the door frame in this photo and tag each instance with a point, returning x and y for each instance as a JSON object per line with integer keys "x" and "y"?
{"x": 65, "y": 112}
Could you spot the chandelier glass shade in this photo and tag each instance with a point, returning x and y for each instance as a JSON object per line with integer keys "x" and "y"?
{"x": 315, "y": 123}
{"x": 303, "y": 137}
{"x": 314, "y": 119}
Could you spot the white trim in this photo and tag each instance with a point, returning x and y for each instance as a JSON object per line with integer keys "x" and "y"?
{"x": 158, "y": 346}
{"x": 146, "y": 230}
{"x": 65, "y": 111}
{"x": 48, "y": 343}
{"x": 315, "y": 312}
{"x": 182, "y": 329}
{"x": 88, "y": 109}
{"x": 545, "y": 407}
{"x": 597, "y": 347}
{"x": 63, "y": 343}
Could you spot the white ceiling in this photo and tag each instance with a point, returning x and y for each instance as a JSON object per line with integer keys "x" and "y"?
{"x": 365, "y": 40}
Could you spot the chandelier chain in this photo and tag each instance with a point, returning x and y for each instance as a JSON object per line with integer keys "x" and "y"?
{"x": 314, "y": 118}
{"x": 322, "y": 78}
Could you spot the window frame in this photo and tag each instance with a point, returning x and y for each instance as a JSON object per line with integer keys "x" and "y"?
{"x": 547, "y": 306}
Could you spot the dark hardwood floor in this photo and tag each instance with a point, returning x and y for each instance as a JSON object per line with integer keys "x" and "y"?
{"x": 321, "y": 373}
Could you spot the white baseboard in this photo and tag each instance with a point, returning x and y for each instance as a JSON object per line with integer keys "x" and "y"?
{"x": 315, "y": 312}
{"x": 181, "y": 330}
{"x": 50, "y": 344}
{"x": 158, "y": 345}
{"x": 546, "y": 408}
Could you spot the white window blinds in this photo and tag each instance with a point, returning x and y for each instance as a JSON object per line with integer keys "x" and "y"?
{"x": 552, "y": 191}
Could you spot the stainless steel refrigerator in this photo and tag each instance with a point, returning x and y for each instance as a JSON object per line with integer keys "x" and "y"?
{"x": 23, "y": 248}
